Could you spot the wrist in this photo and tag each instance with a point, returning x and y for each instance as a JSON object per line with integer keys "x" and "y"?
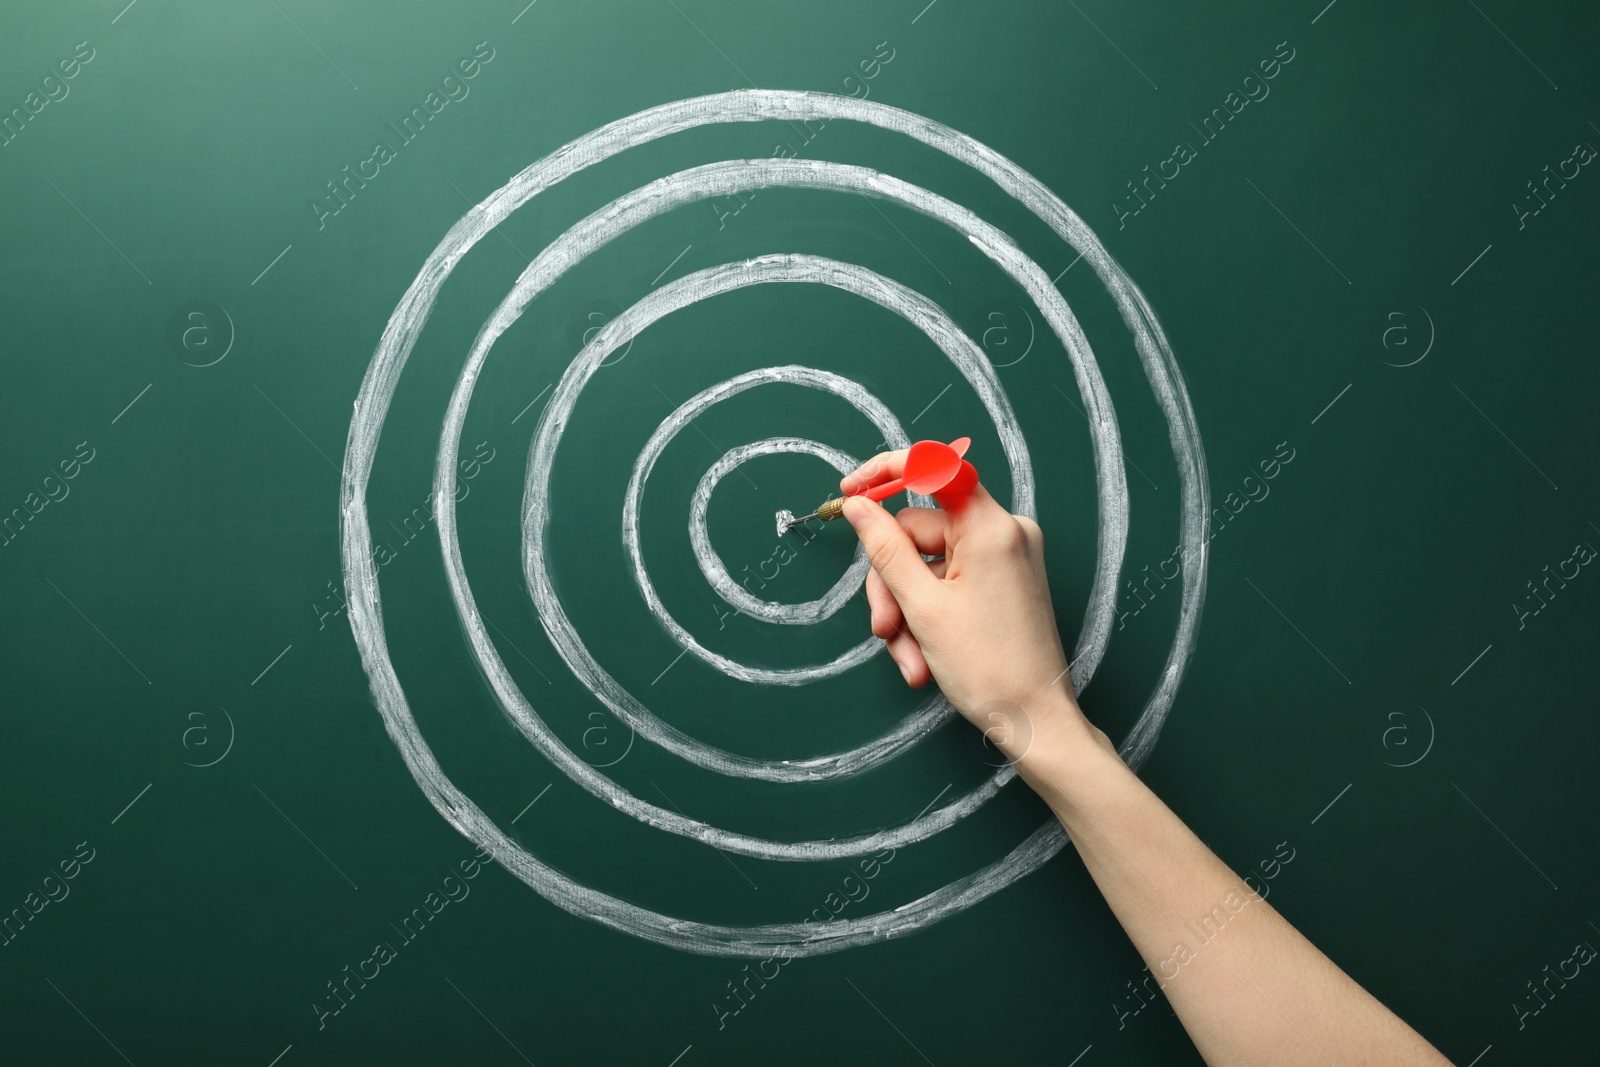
{"x": 1069, "y": 757}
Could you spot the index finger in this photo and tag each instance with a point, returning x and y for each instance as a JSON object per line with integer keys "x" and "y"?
{"x": 884, "y": 467}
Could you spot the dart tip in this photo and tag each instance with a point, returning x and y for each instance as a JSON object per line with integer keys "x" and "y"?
{"x": 787, "y": 521}
{"x": 826, "y": 512}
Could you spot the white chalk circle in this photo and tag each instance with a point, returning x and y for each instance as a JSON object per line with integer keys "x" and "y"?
{"x": 785, "y": 939}
{"x": 716, "y": 573}
{"x": 630, "y": 324}
{"x": 967, "y": 357}
{"x": 885, "y": 423}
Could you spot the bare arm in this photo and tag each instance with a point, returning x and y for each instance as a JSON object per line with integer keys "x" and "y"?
{"x": 1249, "y": 989}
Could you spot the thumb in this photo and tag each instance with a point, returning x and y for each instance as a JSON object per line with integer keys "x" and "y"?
{"x": 890, "y": 550}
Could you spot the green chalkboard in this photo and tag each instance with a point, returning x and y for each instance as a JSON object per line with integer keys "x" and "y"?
{"x": 307, "y": 763}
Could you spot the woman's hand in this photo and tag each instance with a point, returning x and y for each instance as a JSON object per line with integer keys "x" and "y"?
{"x": 979, "y": 621}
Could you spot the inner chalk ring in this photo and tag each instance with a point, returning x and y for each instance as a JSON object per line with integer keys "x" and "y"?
{"x": 711, "y": 566}
{"x": 733, "y": 593}
{"x": 793, "y": 939}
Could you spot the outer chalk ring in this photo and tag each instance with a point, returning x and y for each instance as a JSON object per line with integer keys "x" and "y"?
{"x": 400, "y": 336}
{"x": 732, "y": 593}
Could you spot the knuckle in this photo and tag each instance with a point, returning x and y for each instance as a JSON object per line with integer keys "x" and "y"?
{"x": 882, "y": 555}
{"x": 1009, "y": 537}
{"x": 1031, "y": 531}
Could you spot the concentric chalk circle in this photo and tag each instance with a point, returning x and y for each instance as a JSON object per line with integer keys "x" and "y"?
{"x": 789, "y": 939}
{"x": 730, "y": 591}
{"x": 734, "y": 594}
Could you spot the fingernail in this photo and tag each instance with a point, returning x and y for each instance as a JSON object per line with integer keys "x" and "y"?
{"x": 854, "y": 510}
{"x": 904, "y": 673}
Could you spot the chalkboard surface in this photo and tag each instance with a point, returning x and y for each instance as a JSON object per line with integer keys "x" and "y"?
{"x": 373, "y": 693}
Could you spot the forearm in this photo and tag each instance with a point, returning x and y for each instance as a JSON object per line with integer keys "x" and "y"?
{"x": 1249, "y": 989}
{"x": 1246, "y": 985}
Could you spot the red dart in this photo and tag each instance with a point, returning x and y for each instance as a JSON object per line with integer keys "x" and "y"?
{"x": 931, "y": 467}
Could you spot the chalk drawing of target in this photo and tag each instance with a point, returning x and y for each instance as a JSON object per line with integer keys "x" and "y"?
{"x": 722, "y": 179}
